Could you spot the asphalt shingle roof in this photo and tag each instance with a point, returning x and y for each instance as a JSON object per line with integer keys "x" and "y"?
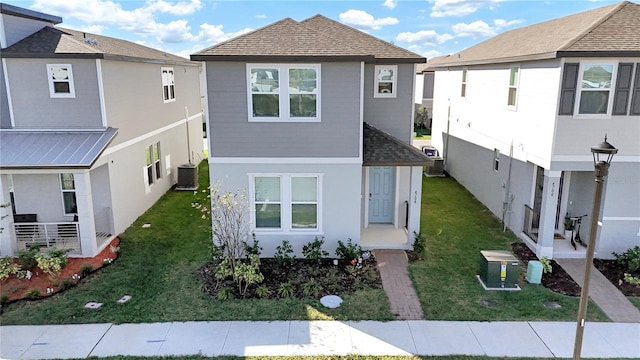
{"x": 613, "y": 28}
{"x": 383, "y": 149}
{"x": 54, "y": 42}
{"x": 315, "y": 38}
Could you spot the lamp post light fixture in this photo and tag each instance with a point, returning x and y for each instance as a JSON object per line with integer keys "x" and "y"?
{"x": 602, "y": 156}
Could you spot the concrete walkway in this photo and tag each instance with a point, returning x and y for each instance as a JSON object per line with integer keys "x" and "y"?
{"x": 300, "y": 338}
{"x": 392, "y": 265}
{"x": 602, "y": 292}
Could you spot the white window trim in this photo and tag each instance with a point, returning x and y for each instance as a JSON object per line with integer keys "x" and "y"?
{"x": 496, "y": 160}
{"x": 463, "y": 82}
{"x": 155, "y": 175}
{"x": 394, "y": 81}
{"x": 612, "y": 89}
{"x": 285, "y": 204}
{"x": 283, "y": 78}
{"x": 514, "y": 86}
{"x": 157, "y": 164}
{"x": 172, "y": 82}
{"x": 52, "y": 91}
{"x": 63, "y": 190}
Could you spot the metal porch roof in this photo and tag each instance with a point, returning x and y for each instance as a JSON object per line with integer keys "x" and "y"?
{"x": 24, "y": 149}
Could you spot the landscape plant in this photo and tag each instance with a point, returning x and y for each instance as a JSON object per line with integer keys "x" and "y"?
{"x": 349, "y": 251}
{"x": 27, "y": 257}
{"x": 52, "y": 263}
{"x": 630, "y": 262}
{"x": 313, "y": 250}
{"x": 8, "y": 267}
{"x": 546, "y": 265}
{"x": 419, "y": 243}
{"x": 284, "y": 254}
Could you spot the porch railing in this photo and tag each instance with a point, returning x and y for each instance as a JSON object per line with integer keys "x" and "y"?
{"x": 103, "y": 226}
{"x": 61, "y": 235}
{"x": 531, "y": 223}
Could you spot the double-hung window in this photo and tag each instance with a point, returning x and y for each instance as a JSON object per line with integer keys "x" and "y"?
{"x": 385, "y": 81}
{"x": 496, "y": 159}
{"x": 513, "y": 86}
{"x": 463, "y": 87}
{"x": 68, "y": 187}
{"x": 283, "y": 92}
{"x": 594, "y": 88}
{"x": 286, "y": 202}
{"x": 153, "y": 167}
{"x": 168, "y": 85}
{"x": 61, "y": 81}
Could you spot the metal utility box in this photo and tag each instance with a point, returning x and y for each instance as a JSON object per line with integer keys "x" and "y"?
{"x": 499, "y": 269}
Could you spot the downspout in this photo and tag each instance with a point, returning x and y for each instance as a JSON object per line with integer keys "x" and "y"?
{"x": 506, "y": 205}
{"x": 446, "y": 141}
{"x": 186, "y": 115}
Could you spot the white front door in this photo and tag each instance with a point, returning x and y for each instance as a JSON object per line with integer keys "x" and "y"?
{"x": 381, "y": 194}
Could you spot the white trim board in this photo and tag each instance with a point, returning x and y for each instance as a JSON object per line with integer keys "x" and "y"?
{"x": 148, "y": 135}
{"x": 621, "y": 218}
{"x": 302, "y": 161}
{"x": 103, "y": 106}
{"x": 8, "y": 89}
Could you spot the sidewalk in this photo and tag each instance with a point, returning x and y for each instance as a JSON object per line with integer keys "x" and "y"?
{"x": 297, "y": 338}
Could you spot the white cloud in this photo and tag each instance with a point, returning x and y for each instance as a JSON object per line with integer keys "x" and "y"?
{"x": 363, "y": 20}
{"x": 260, "y": 16}
{"x": 425, "y": 37}
{"x": 178, "y": 9}
{"x": 424, "y": 51}
{"x": 174, "y": 32}
{"x": 443, "y": 8}
{"x": 213, "y": 34}
{"x": 94, "y": 29}
{"x": 501, "y": 23}
{"x": 391, "y": 4}
{"x": 475, "y": 29}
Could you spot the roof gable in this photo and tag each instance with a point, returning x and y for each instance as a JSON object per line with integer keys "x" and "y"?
{"x": 317, "y": 38}
{"x": 613, "y": 28}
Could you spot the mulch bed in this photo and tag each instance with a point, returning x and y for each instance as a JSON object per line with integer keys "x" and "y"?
{"x": 14, "y": 289}
{"x": 332, "y": 279}
{"x": 559, "y": 281}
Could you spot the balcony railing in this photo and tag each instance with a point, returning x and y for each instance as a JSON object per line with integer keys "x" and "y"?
{"x": 61, "y": 235}
{"x": 531, "y": 223}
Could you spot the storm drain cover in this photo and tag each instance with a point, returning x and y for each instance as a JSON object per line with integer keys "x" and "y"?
{"x": 331, "y": 301}
{"x": 552, "y": 305}
{"x": 488, "y": 303}
{"x": 93, "y": 305}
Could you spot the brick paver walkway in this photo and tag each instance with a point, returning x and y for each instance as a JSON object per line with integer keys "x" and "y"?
{"x": 392, "y": 265}
{"x": 617, "y": 307}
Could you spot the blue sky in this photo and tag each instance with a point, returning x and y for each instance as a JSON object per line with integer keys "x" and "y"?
{"x": 427, "y": 27}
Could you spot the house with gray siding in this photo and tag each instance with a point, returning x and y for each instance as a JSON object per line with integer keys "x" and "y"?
{"x": 314, "y": 120}
{"x": 92, "y": 131}
{"x": 515, "y": 118}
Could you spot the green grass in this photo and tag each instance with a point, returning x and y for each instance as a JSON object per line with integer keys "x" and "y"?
{"x": 422, "y": 134}
{"x": 158, "y": 268}
{"x": 635, "y": 300}
{"x": 458, "y": 227}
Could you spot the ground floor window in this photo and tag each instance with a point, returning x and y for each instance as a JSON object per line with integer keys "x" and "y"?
{"x": 285, "y": 202}
{"x": 68, "y": 194}
{"x": 153, "y": 168}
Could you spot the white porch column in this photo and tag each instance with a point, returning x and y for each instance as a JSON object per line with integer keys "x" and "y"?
{"x": 547, "y": 228}
{"x": 415, "y": 201}
{"x": 6, "y": 218}
{"x": 86, "y": 221}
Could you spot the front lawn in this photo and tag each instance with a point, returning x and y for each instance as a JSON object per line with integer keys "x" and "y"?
{"x": 458, "y": 227}
{"x": 158, "y": 267}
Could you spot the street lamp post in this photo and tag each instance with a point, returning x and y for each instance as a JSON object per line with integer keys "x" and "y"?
{"x": 606, "y": 151}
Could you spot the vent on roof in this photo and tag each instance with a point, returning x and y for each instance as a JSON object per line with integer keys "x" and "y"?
{"x": 91, "y": 41}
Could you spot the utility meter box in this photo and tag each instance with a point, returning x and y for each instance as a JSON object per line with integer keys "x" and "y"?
{"x": 499, "y": 269}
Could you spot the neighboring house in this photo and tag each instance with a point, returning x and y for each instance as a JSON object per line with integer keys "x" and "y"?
{"x": 314, "y": 119}
{"x": 515, "y": 117}
{"x": 92, "y": 129}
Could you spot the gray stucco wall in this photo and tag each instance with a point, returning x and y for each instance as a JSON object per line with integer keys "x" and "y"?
{"x": 5, "y": 116}
{"x": 33, "y": 107}
{"x": 133, "y": 97}
{"x": 472, "y": 167}
{"x": 232, "y": 135}
{"x": 392, "y": 115}
{"x": 427, "y": 85}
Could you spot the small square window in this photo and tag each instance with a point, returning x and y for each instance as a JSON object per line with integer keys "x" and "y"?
{"x": 60, "y": 78}
{"x": 385, "y": 81}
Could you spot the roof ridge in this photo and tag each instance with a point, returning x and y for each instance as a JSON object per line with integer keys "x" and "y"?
{"x": 342, "y": 42}
{"x": 614, "y": 10}
{"x": 72, "y": 37}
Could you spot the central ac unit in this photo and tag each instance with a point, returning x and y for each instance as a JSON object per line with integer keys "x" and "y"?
{"x": 187, "y": 177}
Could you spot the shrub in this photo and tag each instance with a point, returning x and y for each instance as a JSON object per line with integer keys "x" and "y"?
{"x": 50, "y": 265}
{"x": 283, "y": 255}
{"x": 60, "y": 254}
{"x": 247, "y": 274}
{"x": 313, "y": 250}
{"x": 629, "y": 260}
{"x": 85, "y": 270}
{"x": 32, "y": 294}
{"x": 4, "y": 299}
{"x": 419, "y": 242}
{"x": 8, "y": 267}
{"x": 27, "y": 257}
{"x": 254, "y": 249}
{"x": 263, "y": 291}
{"x": 66, "y": 284}
{"x": 225, "y": 294}
{"x": 286, "y": 289}
{"x": 312, "y": 288}
{"x": 349, "y": 251}
{"x": 546, "y": 265}
{"x": 633, "y": 280}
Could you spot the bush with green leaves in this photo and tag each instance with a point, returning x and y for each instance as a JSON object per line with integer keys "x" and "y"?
{"x": 32, "y": 294}
{"x": 546, "y": 265}
{"x": 225, "y": 294}
{"x": 27, "y": 257}
{"x": 52, "y": 263}
{"x": 349, "y": 251}
{"x": 263, "y": 291}
{"x": 66, "y": 284}
{"x": 253, "y": 249}
{"x": 284, "y": 254}
{"x": 244, "y": 275}
{"x": 419, "y": 242}
{"x": 312, "y": 288}
{"x": 8, "y": 267}
{"x": 629, "y": 260}
{"x": 313, "y": 251}
{"x": 286, "y": 289}
{"x": 85, "y": 270}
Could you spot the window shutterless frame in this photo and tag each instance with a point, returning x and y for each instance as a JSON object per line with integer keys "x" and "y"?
{"x": 514, "y": 80}
{"x": 595, "y": 88}
{"x": 385, "y": 81}
{"x": 68, "y": 189}
{"x": 60, "y": 78}
{"x": 463, "y": 86}
{"x": 168, "y": 84}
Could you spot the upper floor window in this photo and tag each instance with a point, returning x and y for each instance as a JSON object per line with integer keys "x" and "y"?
{"x": 168, "y": 84}
{"x": 60, "y": 81}
{"x": 513, "y": 86}
{"x": 594, "y": 88}
{"x": 283, "y": 92}
{"x": 68, "y": 194}
{"x": 385, "y": 81}
{"x": 463, "y": 88}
